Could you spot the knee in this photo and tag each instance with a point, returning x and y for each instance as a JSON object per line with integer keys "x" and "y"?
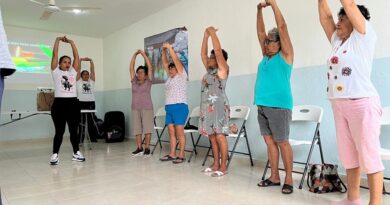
{"x": 269, "y": 141}
{"x": 284, "y": 143}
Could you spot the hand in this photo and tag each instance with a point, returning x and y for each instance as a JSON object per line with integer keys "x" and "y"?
{"x": 270, "y": 2}
{"x": 211, "y": 29}
{"x": 140, "y": 51}
{"x": 166, "y": 46}
{"x": 262, "y": 5}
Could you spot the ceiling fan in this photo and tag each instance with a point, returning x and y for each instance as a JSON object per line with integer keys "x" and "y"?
{"x": 51, "y": 8}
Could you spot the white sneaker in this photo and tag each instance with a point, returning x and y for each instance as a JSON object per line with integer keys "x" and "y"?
{"x": 78, "y": 157}
{"x": 54, "y": 160}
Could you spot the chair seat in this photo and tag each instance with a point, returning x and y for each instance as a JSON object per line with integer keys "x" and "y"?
{"x": 158, "y": 128}
{"x": 294, "y": 142}
{"x": 385, "y": 154}
{"x": 190, "y": 131}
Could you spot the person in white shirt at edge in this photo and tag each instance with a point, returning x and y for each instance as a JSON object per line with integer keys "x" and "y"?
{"x": 176, "y": 106}
{"x": 355, "y": 101}
{"x": 86, "y": 96}
{"x": 66, "y": 108}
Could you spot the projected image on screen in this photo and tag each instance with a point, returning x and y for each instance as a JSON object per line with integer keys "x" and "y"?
{"x": 31, "y": 58}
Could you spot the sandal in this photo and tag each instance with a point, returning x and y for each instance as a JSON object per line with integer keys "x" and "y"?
{"x": 179, "y": 160}
{"x": 208, "y": 170}
{"x": 167, "y": 158}
{"x": 218, "y": 174}
{"x": 267, "y": 182}
{"x": 287, "y": 189}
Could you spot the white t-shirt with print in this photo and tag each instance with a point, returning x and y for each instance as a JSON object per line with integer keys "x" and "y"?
{"x": 350, "y": 65}
{"x": 85, "y": 90}
{"x": 64, "y": 83}
{"x": 176, "y": 89}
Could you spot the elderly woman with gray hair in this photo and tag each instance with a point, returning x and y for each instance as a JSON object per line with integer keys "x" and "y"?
{"x": 273, "y": 95}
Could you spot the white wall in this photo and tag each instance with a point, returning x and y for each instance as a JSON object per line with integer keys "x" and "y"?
{"x": 236, "y": 21}
{"x": 87, "y": 46}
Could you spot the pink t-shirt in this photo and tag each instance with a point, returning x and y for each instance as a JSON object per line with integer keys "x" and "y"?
{"x": 141, "y": 98}
{"x": 350, "y": 65}
{"x": 176, "y": 89}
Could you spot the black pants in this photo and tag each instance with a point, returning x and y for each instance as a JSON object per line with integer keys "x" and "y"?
{"x": 65, "y": 110}
{"x": 91, "y": 117}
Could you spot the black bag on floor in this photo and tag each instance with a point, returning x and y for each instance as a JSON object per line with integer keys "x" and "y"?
{"x": 114, "y": 124}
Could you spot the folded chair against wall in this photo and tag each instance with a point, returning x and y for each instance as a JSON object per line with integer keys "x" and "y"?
{"x": 305, "y": 114}
{"x": 240, "y": 114}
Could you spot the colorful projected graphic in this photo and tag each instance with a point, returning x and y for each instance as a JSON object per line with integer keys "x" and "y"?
{"x": 178, "y": 38}
{"x": 31, "y": 58}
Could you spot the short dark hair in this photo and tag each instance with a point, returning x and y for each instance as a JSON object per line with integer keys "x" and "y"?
{"x": 224, "y": 53}
{"x": 362, "y": 9}
{"x": 63, "y": 57}
{"x": 142, "y": 67}
{"x": 84, "y": 71}
{"x": 171, "y": 65}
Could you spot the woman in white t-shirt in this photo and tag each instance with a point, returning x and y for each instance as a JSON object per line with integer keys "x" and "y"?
{"x": 175, "y": 104}
{"x": 355, "y": 101}
{"x": 65, "y": 109}
{"x": 86, "y": 96}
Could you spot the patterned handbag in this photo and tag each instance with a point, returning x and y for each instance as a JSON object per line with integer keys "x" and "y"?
{"x": 324, "y": 178}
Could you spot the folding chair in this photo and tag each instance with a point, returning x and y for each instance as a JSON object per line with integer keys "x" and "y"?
{"x": 193, "y": 130}
{"x": 305, "y": 113}
{"x": 157, "y": 127}
{"x": 385, "y": 153}
{"x": 237, "y": 113}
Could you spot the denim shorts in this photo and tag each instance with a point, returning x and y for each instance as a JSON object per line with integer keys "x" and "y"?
{"x": 275, "y": 122}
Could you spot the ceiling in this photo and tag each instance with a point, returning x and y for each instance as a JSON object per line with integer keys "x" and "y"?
{"x": 114, "y": 15}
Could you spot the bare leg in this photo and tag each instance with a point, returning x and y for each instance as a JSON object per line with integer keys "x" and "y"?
{"x": 273, "y": 157}
{"x": 375, "y": 182}
{"x": 148, "y": 137}
{"x": 182, "y": 139}
{"x": 138, "y": 140}
{"x": 287, "y": 156}
{"x": 223, "y": 149}
{"x": 215, "y": 149}
{"x": 172, "y": 140}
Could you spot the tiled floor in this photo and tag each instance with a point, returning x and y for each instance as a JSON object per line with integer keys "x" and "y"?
{"x": 111, "y": 176}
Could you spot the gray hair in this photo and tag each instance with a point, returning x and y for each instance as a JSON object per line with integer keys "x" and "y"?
{"x": 274, "y": 34}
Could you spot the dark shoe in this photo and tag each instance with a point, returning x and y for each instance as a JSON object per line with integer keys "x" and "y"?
{"x": 267, "y": 182}
{"x": 147, "y": 151}
{"x": 179, "y": 160}
{"x": 167, "y": 158}
{"x": 287, "y": 189}
{"x": 138, "y": 152}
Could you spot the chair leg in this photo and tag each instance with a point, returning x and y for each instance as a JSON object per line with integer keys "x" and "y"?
{"x": 249, "y": 149}
{"x": 230, "y": 157}
{"x": 207, "y": 155}
{"x": 193, "y": 144}
{"x": 307, "y": 162}
{"x": 265, "y": 170}
{"x": 196, "y": 144}
{"x": 158, "y": 140}
{"x": 320, "y": 146}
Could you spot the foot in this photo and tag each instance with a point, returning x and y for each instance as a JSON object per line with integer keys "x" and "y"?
{"x": 167, "y": 158}
{"x": 78, "y": 157}
{"x": 218, "y": 174}
{"x": 268, "y": 182}
{"x": 179, "y": 160}
{"x": 138, "y": 152}
{"x": 147, "y": 152}
{"x": 347, "y": 202}
{"x": 287, "y": 189}
{"x": 54, "y": 159}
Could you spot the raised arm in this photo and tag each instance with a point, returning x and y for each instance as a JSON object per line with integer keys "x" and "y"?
{"x": 326, "y": 18}
{"x": 223, "y": 67}
{"x": 54, "y": 58}
{"x": 76, "y": 58}
{"x": 354, "y": 15}
{"x": 204, "y": 51}
{"x": 132, "y": 65}
{"x": 92, "y": 75}
{"x": 165, "y": 57}
{"x": 285, "y": 41}
{"x": 179, "y": 66}
{"x": 261, "y": 34}
{"x": 149, "y": 64}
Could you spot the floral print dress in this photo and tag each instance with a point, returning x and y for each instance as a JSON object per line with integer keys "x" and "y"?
{"x": 214, "y": 105}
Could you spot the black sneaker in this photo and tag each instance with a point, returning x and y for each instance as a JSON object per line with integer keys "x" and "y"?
{"x": 147, "y": 152}
{"x": 138, "y": 152}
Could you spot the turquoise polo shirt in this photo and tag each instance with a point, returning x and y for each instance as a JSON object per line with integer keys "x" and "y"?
{"x": 273, "y": 87}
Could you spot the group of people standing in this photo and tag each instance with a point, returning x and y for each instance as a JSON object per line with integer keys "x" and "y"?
{"x": 355, "y": 102}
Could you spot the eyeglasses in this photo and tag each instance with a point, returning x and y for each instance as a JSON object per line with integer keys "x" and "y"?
{"x": 268, "y": 41}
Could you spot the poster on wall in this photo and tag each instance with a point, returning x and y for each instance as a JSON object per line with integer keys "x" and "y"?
{"x": 178, "y": 38}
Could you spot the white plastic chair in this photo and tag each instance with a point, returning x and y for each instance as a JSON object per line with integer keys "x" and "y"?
{"x": 305, "y": 113}
{"x": 159, "y": 128}
{"x": 194, "y": 115}
{"x": 238, "y": 112}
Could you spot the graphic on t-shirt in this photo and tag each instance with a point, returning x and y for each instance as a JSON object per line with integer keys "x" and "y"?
{"x": 65, "y": 82}
{"x": 86, "y": 88}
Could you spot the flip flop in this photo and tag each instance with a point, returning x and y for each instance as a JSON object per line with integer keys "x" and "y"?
{"x": 267, "y": 183}
{"x": 179, "y": 160}
{"x": 287, "y": 189}
{"x": 218, "y": 174}
{"x": 208, "y": 170}
{"x": 167, "y": 158}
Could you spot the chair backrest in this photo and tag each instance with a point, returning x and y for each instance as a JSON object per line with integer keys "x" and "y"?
{"x": 195, "y": 112}
{"x": 160, "y": 112}
{"x": 385, "y": 119}
{"x": 239, "y": 112}
{"x": 309, "y": 113}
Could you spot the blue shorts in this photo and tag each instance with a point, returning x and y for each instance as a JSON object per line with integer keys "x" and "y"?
{"x": 176, "y": 114}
